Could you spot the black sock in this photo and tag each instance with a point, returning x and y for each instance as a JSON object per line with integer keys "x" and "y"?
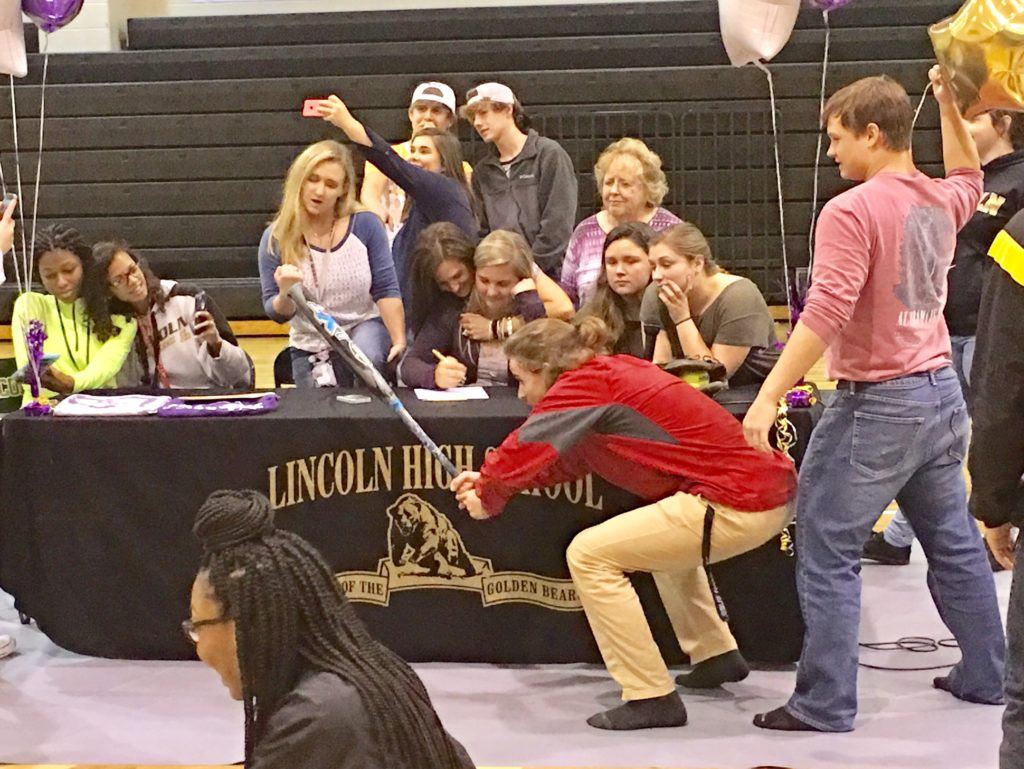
{"x": 715, "y": 671}
{"x": 942, "y": 682}
{"x": 667, "y": 710}
{"x": 782, "y": 720}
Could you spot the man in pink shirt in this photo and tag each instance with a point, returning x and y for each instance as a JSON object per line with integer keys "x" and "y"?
{"x": 898, "y": 427}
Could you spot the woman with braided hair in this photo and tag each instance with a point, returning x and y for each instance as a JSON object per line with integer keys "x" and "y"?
{"x": 63, "y": 260}
{"x": 269, "y": 616}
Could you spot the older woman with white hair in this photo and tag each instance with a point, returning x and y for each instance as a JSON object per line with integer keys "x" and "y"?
{"x": 632, "y": 185}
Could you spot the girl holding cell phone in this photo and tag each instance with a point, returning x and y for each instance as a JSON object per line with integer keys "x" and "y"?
{"x": 184, "y": 341}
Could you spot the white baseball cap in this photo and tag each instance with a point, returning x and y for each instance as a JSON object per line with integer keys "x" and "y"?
{"x": 433, "y": 91}
{"x": 495, "y": 92}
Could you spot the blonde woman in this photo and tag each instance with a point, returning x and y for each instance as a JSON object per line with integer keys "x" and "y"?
{"x": 339, "y": 253}
{"x": 632, "y": 185}
{"x": 468, "y": 336}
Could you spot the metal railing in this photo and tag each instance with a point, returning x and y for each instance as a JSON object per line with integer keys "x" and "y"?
{"x": 720, "y": 169}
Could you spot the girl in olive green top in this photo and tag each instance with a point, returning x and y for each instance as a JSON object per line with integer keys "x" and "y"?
{"x": 714, "y": 314}
{"x": 85, "y": 363}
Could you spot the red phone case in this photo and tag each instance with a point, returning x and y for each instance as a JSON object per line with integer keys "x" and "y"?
{"x": 309, "y": 108}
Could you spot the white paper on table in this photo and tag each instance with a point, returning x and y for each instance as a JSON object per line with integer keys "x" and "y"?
{"x": 472, "y": 393}
{"x": 79, "y": 405}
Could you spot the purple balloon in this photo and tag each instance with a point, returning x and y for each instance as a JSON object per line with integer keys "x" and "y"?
{"x": 51, "y": 15}
{"x": 827, "y": 5}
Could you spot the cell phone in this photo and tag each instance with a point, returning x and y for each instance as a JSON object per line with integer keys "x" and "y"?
{"x": 22, "y": 374}
{"x": 8, "y": 199}
{"x": 309, "y": 107}
{"x": 202, "y": 302}
{"x": 354, "y": 399}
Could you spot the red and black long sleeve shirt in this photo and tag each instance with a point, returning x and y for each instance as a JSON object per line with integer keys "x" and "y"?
{"x": 641, "y": 429}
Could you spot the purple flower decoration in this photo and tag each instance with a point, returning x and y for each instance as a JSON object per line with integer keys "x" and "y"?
{"x": 34, "y": 338}
{"x": 800, "y": 397}
{"x": 37, "y": 409}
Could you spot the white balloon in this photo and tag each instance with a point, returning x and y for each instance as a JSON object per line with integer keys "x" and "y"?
{"x": 756, "y": 30}
{"x": 12, "y": 39}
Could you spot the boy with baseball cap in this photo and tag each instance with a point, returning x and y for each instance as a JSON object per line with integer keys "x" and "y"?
{"x": 526, "y": 183}
{"x": 432, "y": 106}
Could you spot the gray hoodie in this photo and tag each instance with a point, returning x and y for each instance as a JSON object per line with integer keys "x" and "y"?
{"x": 537, "y": 198}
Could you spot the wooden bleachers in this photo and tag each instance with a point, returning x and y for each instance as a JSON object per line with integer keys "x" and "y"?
{"x": 180, "y": 143}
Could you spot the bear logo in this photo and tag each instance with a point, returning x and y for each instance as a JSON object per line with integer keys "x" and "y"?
{"x": 422, "y": 541}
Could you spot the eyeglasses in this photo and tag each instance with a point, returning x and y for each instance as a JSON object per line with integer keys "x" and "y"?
{"x": 120, "y": 281}
{"x": 191, "y": 627}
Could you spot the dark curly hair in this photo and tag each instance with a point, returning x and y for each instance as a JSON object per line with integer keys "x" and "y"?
{"x": 100, "y": 304}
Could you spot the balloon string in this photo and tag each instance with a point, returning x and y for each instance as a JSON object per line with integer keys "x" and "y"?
{"x": 817, "y": 151}
{"x": 920, "y": 105}
{"x": 778, "y": 182}
{"x": 23, "y": 283}
{"x": 39, "y": 160}
{"x": 3, "y": 182}
{"x": 14, "y": 253}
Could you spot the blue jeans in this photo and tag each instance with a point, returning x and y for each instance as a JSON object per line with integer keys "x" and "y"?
{"x": 370, "y": 336}
{"x": 903, "y": 439}
{"x": 899, "y": 532}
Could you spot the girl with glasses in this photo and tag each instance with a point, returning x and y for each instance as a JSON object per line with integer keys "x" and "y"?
{"x": 184, "y": 340}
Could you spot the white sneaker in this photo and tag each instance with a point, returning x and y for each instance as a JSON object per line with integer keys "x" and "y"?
{"x": 7, "y": 646}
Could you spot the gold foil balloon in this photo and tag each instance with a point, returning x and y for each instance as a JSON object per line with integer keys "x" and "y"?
{"x": 981, "y": 50}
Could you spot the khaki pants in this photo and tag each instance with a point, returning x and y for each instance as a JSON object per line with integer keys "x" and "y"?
{"x": 664, "y": 539}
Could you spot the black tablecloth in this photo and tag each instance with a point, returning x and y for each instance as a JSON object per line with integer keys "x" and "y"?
{"x": 96, "y": 543}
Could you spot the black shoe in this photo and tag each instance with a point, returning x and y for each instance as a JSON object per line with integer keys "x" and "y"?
{"x": 667, "y": 710}
{"x": 715, "y": 671}
{"x": 878, "y": 550}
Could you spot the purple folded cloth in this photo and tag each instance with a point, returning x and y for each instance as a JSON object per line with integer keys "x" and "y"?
{"x": 226, "y": 408}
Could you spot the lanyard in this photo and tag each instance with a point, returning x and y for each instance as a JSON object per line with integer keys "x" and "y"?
{"x": 64, "y": 333}
{"x": 312, "y": 259}
{"x": 312, "y": 271}
{"x": 149, "y": 338}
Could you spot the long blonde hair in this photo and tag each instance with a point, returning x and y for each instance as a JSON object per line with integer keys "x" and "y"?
{"x": 501, "y": 247}
{"x": 287, "y": 226}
